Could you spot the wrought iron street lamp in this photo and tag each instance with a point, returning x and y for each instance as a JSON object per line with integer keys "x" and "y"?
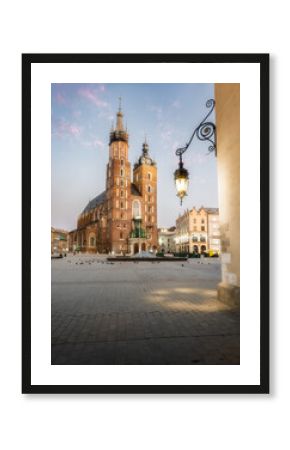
{"x": 205, "y": 131}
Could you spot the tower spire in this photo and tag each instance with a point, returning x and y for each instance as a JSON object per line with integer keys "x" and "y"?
{"x": 145, "y": 147}
{"x": 119, "y": 126}
{"x": 119, "y": 133}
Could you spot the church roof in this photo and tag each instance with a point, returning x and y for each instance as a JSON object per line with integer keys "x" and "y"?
{"x": 95, "y": 202}
{"x": 134, "y": 190}
{"x": 145, "y": 157}
{"x": 211, "y": 210}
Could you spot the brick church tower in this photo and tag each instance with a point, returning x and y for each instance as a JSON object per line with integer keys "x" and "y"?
{"x": 118, "y": 188}
{"x": 145, "y": 179}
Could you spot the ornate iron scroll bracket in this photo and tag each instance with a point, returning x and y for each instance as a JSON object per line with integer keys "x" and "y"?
{"x": 205, "y": 131}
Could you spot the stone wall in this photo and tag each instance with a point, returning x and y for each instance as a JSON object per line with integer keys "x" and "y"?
{"x": 227, "y": 98}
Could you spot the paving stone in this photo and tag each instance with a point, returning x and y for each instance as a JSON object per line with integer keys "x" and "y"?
{"x": 140, "y": 314}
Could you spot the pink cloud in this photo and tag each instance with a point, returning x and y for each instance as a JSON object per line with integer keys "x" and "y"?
{"x": 74, "y": 130}
{"x": 199, "y": 158}
{"x": 176, "y": 104}
{"x": 166, "y": 134}
{"x": 99, "y": 143}
{"x": 60, "y": 98}
{"x": 62, "y": 128}
{"x": 92, "y": 96}
{"x": 94, "y": 143}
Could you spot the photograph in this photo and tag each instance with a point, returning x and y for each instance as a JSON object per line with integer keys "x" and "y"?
{"x": 142, "y": 274}
{"x": 145, "y": 177}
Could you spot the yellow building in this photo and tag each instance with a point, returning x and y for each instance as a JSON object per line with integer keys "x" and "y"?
{"x": 197, "y": 231}
{"x": 59, "y": 241}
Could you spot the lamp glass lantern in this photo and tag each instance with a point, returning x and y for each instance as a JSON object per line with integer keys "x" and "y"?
{"x": 181, "y": 177}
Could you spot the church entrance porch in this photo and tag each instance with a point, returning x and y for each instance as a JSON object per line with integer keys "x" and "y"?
{"x": 136, "y": 248}
{"x": 137, "y": 245}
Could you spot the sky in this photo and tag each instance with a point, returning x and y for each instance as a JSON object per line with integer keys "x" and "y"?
{"x": 81, "y": 119}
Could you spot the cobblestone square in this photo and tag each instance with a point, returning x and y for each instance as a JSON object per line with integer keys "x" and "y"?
{"x": 140, "y": 313}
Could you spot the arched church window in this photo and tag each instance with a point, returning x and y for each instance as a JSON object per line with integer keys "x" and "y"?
{"x": 122, "y": 162}
{"x": 122, "y": 172}
{"x": 149, "y": 176}
{"x": 136, "y": 209}
{"x": 149, "y": 189}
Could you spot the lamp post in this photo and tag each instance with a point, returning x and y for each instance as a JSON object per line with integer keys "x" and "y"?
{"x": 205, "y": 131}
{"x": 138, "y": 218}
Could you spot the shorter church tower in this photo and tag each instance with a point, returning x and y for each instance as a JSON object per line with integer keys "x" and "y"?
{"x": 145, "y": 179}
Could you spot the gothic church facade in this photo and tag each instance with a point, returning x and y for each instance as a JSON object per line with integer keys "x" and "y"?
{"x": 123, "y": 218}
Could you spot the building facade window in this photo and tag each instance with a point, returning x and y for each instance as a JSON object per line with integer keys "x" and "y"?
{"x": 202, "y": 228}
{"x": 136, "y": 209}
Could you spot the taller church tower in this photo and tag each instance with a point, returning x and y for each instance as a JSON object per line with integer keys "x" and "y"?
{"x": 118, "y": 189}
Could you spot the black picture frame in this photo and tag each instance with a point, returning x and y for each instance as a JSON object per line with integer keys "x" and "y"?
{"x": 27, "y": 61}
